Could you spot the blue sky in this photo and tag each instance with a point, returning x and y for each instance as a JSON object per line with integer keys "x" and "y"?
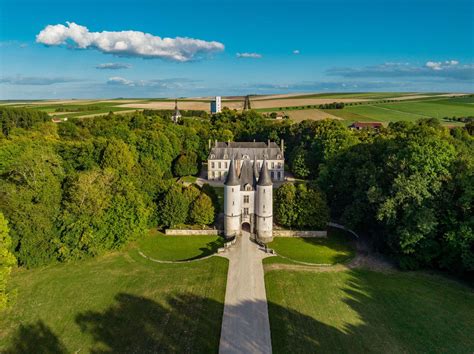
{"x": 237, "y": 47}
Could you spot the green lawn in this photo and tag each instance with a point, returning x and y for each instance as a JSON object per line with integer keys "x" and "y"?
{"x": 116, "y": 303}
{"x": 178, "y": 248}
{"x": 361, "y": 311}
{"x": 336, "y": 248}
{"x": 188, "y": 179}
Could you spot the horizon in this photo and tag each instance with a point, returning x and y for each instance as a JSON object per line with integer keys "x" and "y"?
{"x": 182, "y": 49}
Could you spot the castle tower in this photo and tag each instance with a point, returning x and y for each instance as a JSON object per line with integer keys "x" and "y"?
{"x": 264, "y": 205}
{"x": 232, "y": 203}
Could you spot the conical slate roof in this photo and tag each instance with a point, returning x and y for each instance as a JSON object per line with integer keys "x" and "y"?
{"x": 232, "y": 178}
{"x": 247, "y": 175}
{"x": 265, "y": 179}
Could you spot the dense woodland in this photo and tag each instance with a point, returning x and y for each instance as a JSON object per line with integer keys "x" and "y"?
{"x": 85, "y": 186}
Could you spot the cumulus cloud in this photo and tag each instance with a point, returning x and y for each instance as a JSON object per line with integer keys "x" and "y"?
{"x": 296, "y": 51}
{"x": 449, "y": 69}
{"x": 249, "y": 55}
{"x": 117, "y": 80}
{"x": 113, "y": 66}
{"x": 128, "y": 43}
{"x": 33, "y": 80}
{"x": 440, "y": 65}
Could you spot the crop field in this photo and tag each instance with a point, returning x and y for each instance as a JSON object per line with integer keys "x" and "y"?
{"x": 365, "y": 106}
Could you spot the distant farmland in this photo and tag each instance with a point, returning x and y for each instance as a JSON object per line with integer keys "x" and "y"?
{"x": 360, "y": 106}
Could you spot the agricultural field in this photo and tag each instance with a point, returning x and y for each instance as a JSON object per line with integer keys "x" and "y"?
{"x": 363, "y": 311}
{"x": 359, "y": 106}
{"x": 119, "y": 302}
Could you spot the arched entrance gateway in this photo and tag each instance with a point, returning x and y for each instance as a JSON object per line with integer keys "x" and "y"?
{"x": 246, "y": 227}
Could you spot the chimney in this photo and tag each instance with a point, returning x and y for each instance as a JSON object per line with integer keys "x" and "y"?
{"x": 209, "y": 143}
{"x": 282, "y": 147}
{"x": 268, "y": 142}
{"x": 215, "y": 142}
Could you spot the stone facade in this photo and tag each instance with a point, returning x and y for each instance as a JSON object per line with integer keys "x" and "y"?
{"x": 248, "y": 200}
{"x": 221, "y": 153}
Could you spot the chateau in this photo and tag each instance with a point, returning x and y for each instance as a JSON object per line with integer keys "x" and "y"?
{"x": 248, "y": 170}
{"x": 248, "y": 201}
{"x": 221, "y": 154}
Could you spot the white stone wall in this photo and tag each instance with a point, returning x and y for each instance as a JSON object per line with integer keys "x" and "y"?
{"x": 176, "y": 232}
{"x": 265, "y": 212}
{"x": 298, "y": 233}
{"x": 216, "y": 173}
{"x": 232, "y": 210}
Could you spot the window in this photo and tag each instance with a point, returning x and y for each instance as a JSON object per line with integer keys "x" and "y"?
{"x": 273, "y": 164}
{"x": 272, "y": 174}
{"x": 232, "y": 189}
{"x": 279, "y": 164}
{"x": 246, "y": 211}
{"x": 246, "y": 199}
{"x": 279, "y": 175}
{"x": 212, "y": 165}
{"x": 225, "y": 164}
{"x": 219, "y": 164}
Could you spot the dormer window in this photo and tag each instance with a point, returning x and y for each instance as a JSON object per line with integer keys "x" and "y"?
{"x": 248, "y": 187}
{"x": 246, "y": 157}
{"x": 213, "y": 156}
{"x": 279, "y": 156}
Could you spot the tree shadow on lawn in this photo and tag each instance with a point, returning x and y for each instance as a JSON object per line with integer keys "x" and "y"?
{"x": 192, "y": 324}
{"x": 338, "y": 241}
{"x": 211, "y": 248}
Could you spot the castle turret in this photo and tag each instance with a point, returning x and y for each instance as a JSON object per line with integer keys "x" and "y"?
{"x": 232, "y": 207}
{"x": 264, "y": 205}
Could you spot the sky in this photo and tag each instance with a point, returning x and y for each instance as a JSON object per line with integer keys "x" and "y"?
{"x": 184, "y": 48}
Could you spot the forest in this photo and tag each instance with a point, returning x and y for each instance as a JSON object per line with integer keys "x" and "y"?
{"x": 82, "y": 187}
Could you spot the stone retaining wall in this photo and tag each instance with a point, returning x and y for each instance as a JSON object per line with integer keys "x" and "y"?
{"x": 299, "y": 233}
{"x": 175, "y": 232}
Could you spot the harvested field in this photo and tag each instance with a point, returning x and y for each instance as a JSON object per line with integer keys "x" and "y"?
{"x": 310, "y": 114}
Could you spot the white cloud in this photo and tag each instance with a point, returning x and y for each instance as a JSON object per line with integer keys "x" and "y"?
{"x": 439, "y": 65}
{"x": 35, "y": 80}
{"x": 128, "y": 43}
{"x": 117, "y": 80}
{"x": 249, "y": 55}
{"x": 296, "y": 51}
{"x": 113, "y": 66}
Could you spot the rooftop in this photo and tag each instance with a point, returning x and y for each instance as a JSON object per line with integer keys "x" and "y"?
{"x": 237, "y": 150}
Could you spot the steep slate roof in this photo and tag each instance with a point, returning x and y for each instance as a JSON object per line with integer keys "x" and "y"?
{"x": 238, "y": 149}
{"x": 264, "y": 179}
{"x": 247, "y": 175}
{"x": 232, "y": 179}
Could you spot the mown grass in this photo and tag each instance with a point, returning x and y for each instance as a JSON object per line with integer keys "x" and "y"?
{"x": 120, "y": 303}
{"x": 361, "y": 311}
{"x": 338, "y": 247}
{"x": 178, "y": 248}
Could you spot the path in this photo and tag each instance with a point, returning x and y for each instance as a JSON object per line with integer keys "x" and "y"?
{"x": 245, "y": 324}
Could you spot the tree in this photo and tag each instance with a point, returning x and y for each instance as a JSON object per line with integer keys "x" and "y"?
{"x": 202, "y": 210}
{"x": 313, "y": 211}
{"x": 7, "y": 260}
{"x": 173, "y": 208}
{"x": 299, "y": 163}
{"x": 186, "y": 165}
{"x": 285, "y": 205}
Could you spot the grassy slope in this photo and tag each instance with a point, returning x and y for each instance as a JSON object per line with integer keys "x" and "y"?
{"x": 177, "y": 248}
{"x": 115, "y": 303}
{"x": 363, "y": 311}
{"x": 334, "y": 249}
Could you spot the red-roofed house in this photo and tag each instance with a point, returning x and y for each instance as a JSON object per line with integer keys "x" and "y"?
{"x": 366, "y": 125}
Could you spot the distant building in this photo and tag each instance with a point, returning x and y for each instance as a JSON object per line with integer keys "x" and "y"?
{"x": 216, "y": 105}
{"x": 59, "y": 120}
{"x": 366, "y": 125}
{"x": 176, "y": 114}
{"x": 222, "y": 153}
